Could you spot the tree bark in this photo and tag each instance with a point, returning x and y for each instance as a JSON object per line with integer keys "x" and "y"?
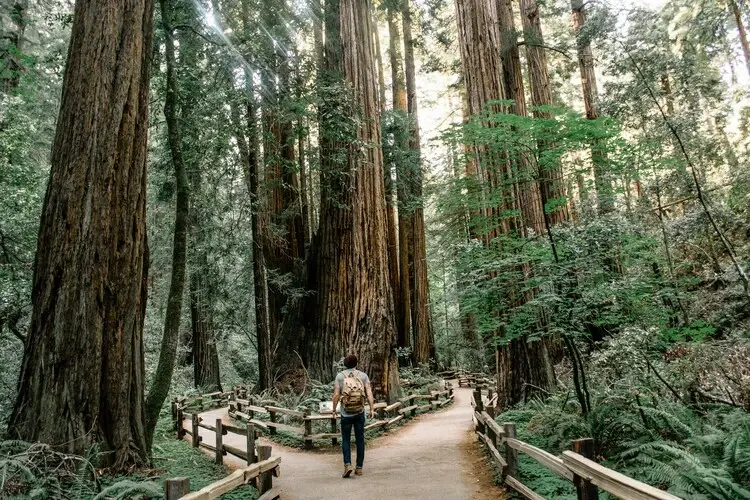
{"x": 82, "y": 376}
{"x": 424, "y": 335}
{"x": 401, "y": 283}
{"x": 528, "y": 194}
{"x": 551, "y": 183}
{"x": 285, "y": 243}
{"x": 170, "y": 338}
{"x": 252, "y": 170}
{"x": 482, "y": 69}
{"x": 602, "y": 180}
{"x": 355, "y": 312}
{"x": 390, "y": 188}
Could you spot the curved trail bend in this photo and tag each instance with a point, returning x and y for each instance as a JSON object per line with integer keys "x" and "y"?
{"x": 434, "y": 457}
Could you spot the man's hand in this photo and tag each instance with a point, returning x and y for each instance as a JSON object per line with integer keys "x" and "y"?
{"x": 372, "y": 413}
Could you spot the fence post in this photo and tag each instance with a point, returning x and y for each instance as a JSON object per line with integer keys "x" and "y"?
{"x": 196, "y": 435}
{"x": 272, "y": 418}
{"x": 308, "y": 430}
{"x": 488, "y": 429}
{"x": 176, "y": 487}
{"x": 180, "y": 418}
{"x": 511, "y": 455}
{"x": 478, "y": 400}
{"x": 334, "y": 430}
{"x": 413, "y": 412}
{"x": 586, "y": 490}
{"x": 265, "y": 480}
{"x": 381, "y": 414}
{"x": 251, "y": 458}
{"x": 219, "y": 442}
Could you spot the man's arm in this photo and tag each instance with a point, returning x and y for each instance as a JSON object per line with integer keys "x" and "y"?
{"x": 336, "y": 396}
{"x": 370, "y": 399}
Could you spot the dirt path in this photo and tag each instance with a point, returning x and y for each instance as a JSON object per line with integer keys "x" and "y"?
{"x": 435, "y": 456}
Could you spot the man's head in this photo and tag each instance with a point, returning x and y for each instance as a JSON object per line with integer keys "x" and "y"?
{"x": 350, "y": 361}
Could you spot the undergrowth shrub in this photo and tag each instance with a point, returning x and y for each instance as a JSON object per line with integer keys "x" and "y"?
{"x": 648, "y": 418}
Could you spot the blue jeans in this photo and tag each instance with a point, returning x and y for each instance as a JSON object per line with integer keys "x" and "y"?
{"x": 358, "y": 422}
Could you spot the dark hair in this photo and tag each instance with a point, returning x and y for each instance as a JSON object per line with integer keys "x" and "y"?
{"x": 350, "y": 361}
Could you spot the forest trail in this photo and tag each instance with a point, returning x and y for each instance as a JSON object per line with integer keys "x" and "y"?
{"x": 435, "y": 456}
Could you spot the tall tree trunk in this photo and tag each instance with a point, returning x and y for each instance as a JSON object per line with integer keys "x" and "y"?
{"x": 379, "y": 60}
{"x": 402, "y": 284}
{"x": 303, "y": 189}
{"x": 206, "y": 372}
{"x": 741, "y": 31}
{"x": 252, "y": 171}
{"x": 355, "y": 311}
{"x": 551, "y": 183}
{"x": 468, "y": 320}
{"x": 82, "y": 376}
{"x": 528, "y": 194}
{"x": 482, "y": 69}
{"x": 424, "y": 335}
{"x": 170, "y": 338}
{"x": 390, "y": 189}
{"x": 602, "y": 180}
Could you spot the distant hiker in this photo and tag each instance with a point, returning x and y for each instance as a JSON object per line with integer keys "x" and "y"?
{"x": 351, "y": 387}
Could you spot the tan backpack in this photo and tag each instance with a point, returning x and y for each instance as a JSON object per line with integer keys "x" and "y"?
{"x": 353, "y": 395}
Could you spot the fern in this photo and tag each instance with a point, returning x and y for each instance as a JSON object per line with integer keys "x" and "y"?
{"x": 736, "y": 457}
{"x": 686, "y": 473}
{"x": 129, "y": 489}
{"x": 670, "y": 424}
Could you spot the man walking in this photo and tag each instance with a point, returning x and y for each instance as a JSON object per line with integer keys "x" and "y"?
{"x": 351, "y": 387}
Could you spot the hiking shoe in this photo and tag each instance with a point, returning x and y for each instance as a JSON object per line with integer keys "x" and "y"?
{"x": 347, "y": 471}
{"x": 358, "y": 471}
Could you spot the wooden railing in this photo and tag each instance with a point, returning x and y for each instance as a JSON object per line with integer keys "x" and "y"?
{"x": 259, "y": 474}
{"x": 201, "y": 402}
{"x": 577, "y": 466}
{"x": 245, "y": 410}
{"x": 267, "y": 417}
{"x": 473, "y": 380}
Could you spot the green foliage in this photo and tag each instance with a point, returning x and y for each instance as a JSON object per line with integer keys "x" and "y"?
{"x": 694, "y": 449}
{"x": 129, "y": 489}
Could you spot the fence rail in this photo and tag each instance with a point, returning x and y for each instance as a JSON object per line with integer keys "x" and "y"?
{"x": 242, "y": 408}
{"x": 260, "y": 474}
{"x": 577, "y": 466}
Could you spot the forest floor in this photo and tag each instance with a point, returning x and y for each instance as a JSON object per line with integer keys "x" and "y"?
{"x": 434, "y": 456}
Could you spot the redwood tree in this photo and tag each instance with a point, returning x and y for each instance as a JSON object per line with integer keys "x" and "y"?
{"x": 82, "y": 378}
{"x": 424, "y": 336}
{"x": 355, "y": 305}
{"x": 249, "y": 149}
{"x": 551, "y": 182}
{"x": 401, "y": 284}
{"x": 602, "y": 181}
{"x": 528, "y": 194}
{"x": 520, "y": 363}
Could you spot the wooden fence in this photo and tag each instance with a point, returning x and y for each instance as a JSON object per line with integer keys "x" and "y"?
{"x": 245, "y": 410}
{"x": 261, "y": 467}
{"x": 577, "y": 466}
{"x": 474, "y": 380}
{"x": 260, "y": 474}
